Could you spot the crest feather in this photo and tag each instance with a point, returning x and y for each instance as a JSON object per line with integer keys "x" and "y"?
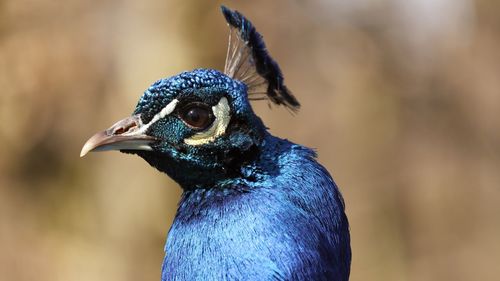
{"x": 247, "y": 60}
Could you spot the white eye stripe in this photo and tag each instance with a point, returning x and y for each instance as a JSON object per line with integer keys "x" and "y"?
{"x": 168, "y": 109}
{"x": 218, "y": 127}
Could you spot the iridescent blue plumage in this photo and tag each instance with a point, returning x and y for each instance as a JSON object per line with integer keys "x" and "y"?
{"x": 281, "y": 219}
{"x": 165, "y": 90}
{"x": 254, "y": 206}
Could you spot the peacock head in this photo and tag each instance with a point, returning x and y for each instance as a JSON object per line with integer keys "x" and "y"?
{"x": 199, "y": 126}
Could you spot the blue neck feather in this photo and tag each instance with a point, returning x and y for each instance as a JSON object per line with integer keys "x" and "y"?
{"x": 281, "y": 219}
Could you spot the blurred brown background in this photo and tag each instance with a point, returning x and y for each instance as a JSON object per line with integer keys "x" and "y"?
{"x": 401, "y": 98}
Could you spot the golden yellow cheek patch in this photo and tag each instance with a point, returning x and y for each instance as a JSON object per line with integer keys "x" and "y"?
{"x": 218, "y": 128}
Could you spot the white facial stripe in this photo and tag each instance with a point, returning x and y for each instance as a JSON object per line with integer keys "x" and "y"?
{"x": 218, "y": 128}
{"x": 169, "y": 108}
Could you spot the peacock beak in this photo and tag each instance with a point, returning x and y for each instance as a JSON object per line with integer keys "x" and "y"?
{"x": 126, "y": 134}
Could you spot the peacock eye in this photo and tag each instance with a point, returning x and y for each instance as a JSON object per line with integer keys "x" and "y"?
{"x": 197, "y": 115}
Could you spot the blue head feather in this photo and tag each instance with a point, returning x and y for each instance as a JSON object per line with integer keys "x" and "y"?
{"x": 212, "y": 163}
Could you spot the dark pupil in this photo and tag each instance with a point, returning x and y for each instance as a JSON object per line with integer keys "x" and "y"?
{"x": 197, "y": 117}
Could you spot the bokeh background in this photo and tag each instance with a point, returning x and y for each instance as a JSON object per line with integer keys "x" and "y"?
{"x": 401, "y": 98}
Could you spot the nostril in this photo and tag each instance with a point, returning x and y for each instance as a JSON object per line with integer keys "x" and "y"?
{"x": 119, "y": 131}
{"x": 123, "y": 126}
{"x": 124, "y": 129}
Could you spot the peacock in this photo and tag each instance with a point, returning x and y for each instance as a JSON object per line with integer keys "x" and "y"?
{"x": 254, "y": 206}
